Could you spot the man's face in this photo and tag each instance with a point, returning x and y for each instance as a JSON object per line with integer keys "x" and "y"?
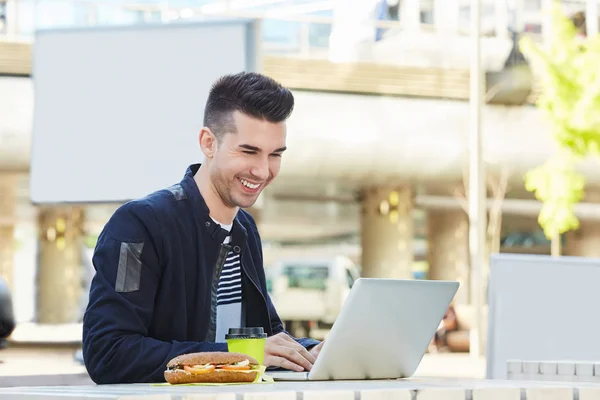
{"x": 245, "y": 162}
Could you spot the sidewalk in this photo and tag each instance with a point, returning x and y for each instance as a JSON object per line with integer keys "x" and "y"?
{"x": 41, "y": 366}
{"x": 36, "y": 360}
{"x": 43, "y": 355}
{"x": 31, "y": 333}
{"x": 39, "y": 355}
{"x": 451, "y": 365}
{"x": 37, "y": 365}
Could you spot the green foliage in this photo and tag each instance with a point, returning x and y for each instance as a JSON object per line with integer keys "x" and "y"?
{"x": 568, "y": 67}
{"x": 559, "y": 187}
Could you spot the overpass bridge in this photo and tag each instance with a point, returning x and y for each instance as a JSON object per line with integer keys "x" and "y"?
{"x": 377, "y": 151}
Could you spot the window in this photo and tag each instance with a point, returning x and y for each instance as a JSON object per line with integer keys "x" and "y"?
{"x": 306, "y": 277}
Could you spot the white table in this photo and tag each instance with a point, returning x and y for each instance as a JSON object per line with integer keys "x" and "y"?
{"x": 425, "y": 388}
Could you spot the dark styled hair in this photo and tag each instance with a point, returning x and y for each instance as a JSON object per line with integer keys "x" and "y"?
{"x": 253, "y": 94}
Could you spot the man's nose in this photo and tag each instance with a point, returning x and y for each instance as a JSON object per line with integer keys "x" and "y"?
{"x": 261, "y": 169}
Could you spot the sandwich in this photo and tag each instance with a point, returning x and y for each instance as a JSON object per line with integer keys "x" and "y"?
{"x": 212, "y": 367}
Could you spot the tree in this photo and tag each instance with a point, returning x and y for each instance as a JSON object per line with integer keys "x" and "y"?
{"x": 568, "y": 67}
{"x": 498, "y": 186}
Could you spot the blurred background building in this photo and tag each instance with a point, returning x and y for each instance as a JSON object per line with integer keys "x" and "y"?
{"x": 377, "y": 167}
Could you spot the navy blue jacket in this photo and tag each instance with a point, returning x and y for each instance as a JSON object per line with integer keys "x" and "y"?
{"x": 153, "y": 296}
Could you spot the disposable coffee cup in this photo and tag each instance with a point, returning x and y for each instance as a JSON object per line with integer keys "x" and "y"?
{"x": 249, "y": 341}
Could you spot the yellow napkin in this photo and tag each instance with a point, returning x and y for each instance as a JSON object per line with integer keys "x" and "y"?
{"x": 261, "y": 378}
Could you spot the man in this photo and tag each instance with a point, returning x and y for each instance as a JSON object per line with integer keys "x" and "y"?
{"x": 176, "y": 269}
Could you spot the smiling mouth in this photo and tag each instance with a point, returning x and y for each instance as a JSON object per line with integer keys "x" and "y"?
{"x": 249, "y": 185}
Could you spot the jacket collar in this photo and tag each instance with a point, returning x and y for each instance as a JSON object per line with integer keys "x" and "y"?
{"x": 202, "y": 212}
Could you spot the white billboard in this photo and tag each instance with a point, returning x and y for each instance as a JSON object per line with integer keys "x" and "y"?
{"x": 118, "y": 110}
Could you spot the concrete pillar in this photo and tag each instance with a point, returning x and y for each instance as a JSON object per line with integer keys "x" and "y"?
{"x": 59, "y": 282}
{"x": 584, "y": 241}
{"x": 8, "y": 207}
{"x": 448, "y": 249}
{"x": 387, "y": 232}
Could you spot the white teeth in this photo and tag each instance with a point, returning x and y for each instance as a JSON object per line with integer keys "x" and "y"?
{"x": 250, "y": 185}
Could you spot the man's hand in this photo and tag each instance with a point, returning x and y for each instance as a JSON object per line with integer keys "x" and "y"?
{"x": 316, "y": 350}
{"x": 283, "y": 351}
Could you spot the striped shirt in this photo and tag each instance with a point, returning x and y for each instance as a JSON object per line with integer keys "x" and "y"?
{"x": 229, "y": 294}
{"x": 230, "y": 283}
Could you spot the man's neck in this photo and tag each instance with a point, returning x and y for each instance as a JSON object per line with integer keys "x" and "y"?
{"x": 218, "y": 211}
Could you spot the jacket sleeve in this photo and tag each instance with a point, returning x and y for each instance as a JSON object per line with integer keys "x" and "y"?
{"x": 276, "y": 324}
{"x": 116, "y": 344}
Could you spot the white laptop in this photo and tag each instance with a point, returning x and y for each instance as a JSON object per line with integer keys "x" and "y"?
{"x": 382, "y": 332}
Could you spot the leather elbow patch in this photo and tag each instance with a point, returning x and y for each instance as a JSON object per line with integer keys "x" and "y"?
{"x": 178, "y": 192}
{"x": 129, "y": 271}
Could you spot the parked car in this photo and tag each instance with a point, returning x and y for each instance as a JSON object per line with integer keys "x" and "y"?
{"x": 309, "y": 293}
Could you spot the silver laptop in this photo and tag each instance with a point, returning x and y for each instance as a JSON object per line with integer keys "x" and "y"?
{"x": 382, "y": 332}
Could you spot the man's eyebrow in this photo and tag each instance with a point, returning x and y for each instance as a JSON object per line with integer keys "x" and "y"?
{"x": 256, "y": 149}
{"x": 249, "y": 147}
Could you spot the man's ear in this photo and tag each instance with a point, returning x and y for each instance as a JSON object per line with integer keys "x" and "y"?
{"x": 208, "y": 142}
